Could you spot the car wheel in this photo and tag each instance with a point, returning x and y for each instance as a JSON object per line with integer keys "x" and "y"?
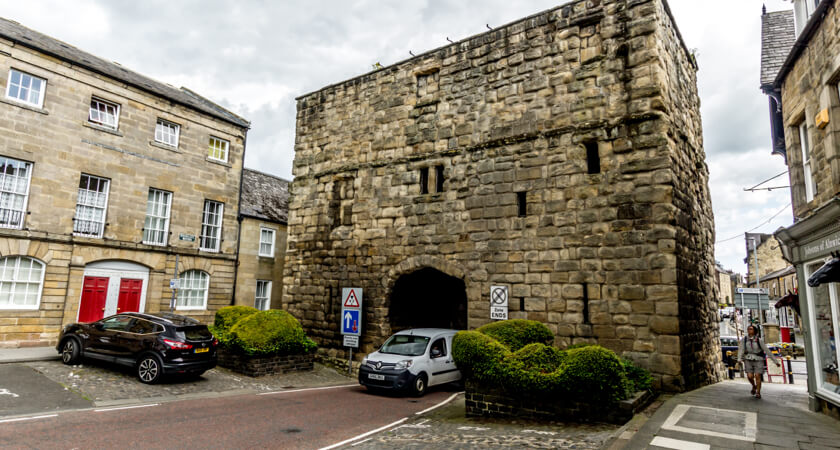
{"x": 419, "y": 387}
{"x": 149, "y": 369}
{"x": 70, "y": 352}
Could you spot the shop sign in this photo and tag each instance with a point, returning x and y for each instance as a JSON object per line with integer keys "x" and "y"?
{"x": 822, "y": 246}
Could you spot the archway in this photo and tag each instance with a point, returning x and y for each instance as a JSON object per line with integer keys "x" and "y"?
{"x": 428, "y": 298}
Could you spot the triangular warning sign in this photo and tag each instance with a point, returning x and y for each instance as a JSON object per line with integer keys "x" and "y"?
{"x": 351, "y": 301}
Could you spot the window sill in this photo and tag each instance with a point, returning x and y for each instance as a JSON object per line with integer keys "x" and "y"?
{"x": 25, "y": 106}
{"x": 219, "y": 162}
{"x": 20, "y": 308}
{"x": 266, "y": 256}
{"x": 165, "y": 147}
{"x": 86, "y": 236}
{"x": 154, "y": 244}
{"x": 101, "y": 128}
{"x": 191, "y": 308}
{"x": 208, "y": 250}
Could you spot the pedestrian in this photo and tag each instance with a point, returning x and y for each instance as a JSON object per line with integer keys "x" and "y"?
{"x": 751, "y": 351}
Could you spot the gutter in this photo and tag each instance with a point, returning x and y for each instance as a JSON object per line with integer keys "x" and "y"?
{"x": 802, "y": 41}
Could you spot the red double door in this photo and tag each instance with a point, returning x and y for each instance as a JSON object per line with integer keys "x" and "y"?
{"x": 95, "y": 296}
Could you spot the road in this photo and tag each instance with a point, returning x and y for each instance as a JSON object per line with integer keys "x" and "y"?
{"x": 307, "y": 418}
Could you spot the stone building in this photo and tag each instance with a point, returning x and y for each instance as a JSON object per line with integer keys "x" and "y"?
{"x": 768, "y": 252}
{"x": 560, "y": 156}
{"x": 107, "y": 177}
{"x": 726, "y": 280}
{"x": 263, "y": 213}
{"x": 804, "y": 85}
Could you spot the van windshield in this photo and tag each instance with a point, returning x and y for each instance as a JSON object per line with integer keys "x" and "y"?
{"x": 405, "y": 344}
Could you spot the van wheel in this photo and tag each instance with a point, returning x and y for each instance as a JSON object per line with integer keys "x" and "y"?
{"x": 419, "y": 387}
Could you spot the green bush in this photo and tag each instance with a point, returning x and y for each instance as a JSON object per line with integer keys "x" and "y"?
{"x": 227, "y": 318}
{"x": 640, "y": 378}
{"x": 518, "y": 333}
{"x": 252, "y": 332}
{"x": 574, "y": 346}
{"x": 514, "y": 357}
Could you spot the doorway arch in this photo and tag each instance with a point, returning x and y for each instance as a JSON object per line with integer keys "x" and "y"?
{"x": 428, "y": 298}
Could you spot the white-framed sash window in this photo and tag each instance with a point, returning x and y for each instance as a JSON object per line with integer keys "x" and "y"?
{"x": 14, "y": 191}
{"x": 25, "y": 88}
{"x": 104, "y": 113}
{"x": 218, "y": 149}
{"x": 21, "y": 282}
{"x": 267, "y": 242}
{"x": 211, "y": 226}
{"x": 805, "y": 145}
{"x": 262, "y": 299}
{"x": 192, "y": 294}
{"x": 167, "y": 133}
{"x": 91, "y": 206}
{"x": 156, "y": 226}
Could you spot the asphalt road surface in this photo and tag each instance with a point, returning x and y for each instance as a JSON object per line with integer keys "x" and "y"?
{"x": 308, "y": 418}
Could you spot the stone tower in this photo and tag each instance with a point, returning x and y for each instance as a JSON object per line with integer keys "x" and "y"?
{"x": 560, "y": 155}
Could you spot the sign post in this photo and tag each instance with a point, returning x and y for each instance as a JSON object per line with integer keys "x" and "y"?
{"x": 499, "y": 302}
{"x": 351, "y": 320}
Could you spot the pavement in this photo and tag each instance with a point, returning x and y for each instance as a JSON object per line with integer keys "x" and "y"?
{"x": 726, "y": 416}
{"x": 27, "y": 354}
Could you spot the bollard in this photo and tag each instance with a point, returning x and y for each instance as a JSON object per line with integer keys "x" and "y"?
{"x": 790, "y": 371}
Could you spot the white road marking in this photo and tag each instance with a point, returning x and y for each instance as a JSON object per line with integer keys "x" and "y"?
{"x": 677, "y": 444}
{"x": 750, "y": 423}
{"x": 545, "y": 433}
{"x": 8, "y": 392}
{"x": 473, "y": 428}
{"x": 364, "y": 435}
{"x": 415, "y": 425}
{"x": 308, "y": 389}
{"x": 451, "y": 397}
{"x": 125, "y": 407}
{"x": 19, "y": 419}
{"x": 360, "y": 442}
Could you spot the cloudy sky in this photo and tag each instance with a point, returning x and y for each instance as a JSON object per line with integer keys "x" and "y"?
{"x": 255, "y": 57}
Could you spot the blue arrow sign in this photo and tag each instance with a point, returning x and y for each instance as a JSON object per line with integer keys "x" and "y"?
{"x": 350, "y": 323}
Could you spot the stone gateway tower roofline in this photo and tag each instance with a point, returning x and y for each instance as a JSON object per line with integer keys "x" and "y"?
{"x": 560, "y": 156}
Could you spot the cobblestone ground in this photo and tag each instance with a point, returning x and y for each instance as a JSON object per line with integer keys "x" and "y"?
{"x": 103, "y": 383}
{"x": 448, "y": 428}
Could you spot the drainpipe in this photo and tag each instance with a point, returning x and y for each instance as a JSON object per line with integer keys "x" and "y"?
{"x": 239, "y": 219}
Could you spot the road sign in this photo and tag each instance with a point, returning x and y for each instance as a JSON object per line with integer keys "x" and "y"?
{"x": 351, "y": 299}
{"x": 351, "y": 341}
{"x": 175, "y": 283}
{"x": 499, "y": 302}
{"x": 351, "y": 312}
{"x": 351, "y": 322}
{"x": 764, "y": 291}
{"x": 186, "y": 237}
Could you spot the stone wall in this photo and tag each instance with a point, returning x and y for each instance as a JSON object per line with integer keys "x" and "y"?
{"x": 61, "y": 145}
{"x": 257, "y": 366}
{"x": 589, "y": 113}
{"x": 253, "y": 267}
{"x": 770, "y": 258}
{"x": 811, "y": 86}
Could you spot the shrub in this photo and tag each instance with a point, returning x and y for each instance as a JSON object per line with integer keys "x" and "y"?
{"x": 518, "y": 333}
{"x": 638, "y": 377}
{"x": 534, "y": 369}
{"x": 272, "y": 332}
{"x": 227, "y": 318}
{"x": 581, "y": 345}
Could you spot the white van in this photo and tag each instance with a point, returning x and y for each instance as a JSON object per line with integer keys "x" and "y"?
{"x": 412, "y": 360}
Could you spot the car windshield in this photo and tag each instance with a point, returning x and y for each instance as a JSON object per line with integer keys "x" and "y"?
{"x": 405, "y": 344}
{"x": 197, "y": 333}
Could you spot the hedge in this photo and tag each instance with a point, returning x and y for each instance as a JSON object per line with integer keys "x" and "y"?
{"x": 248, "y": 331}
{"x": 514, "y": 356}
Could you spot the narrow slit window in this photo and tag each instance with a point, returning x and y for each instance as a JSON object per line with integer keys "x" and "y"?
{"x": 593, "y": 160}
{"x": 424, "y": 180}
{"x": 585, "y": 303}
{"x": 522, "y": 204}
{"x": 438, "y": 178}
{"x": 522, "y": 303}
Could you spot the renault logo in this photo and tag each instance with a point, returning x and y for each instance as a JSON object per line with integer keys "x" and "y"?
{"x": 378, "y": 365}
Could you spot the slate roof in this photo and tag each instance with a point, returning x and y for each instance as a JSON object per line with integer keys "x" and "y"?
{"x": 264, "y": 196}
{"x": 26, "y": 37}
{"x": 777, "y": 37}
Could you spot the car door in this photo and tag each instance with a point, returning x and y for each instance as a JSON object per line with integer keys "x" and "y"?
{"x": 106, "y": 334}
{"x": 136, "y": 339}
{"x": 440, "y": 362}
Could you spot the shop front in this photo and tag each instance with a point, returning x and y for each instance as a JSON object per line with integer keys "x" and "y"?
{"x": 813, "y": 246}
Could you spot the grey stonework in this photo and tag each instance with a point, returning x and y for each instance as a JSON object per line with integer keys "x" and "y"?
{"x": 621, "y": 257}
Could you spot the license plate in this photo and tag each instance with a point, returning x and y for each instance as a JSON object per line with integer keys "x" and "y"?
{"x": 202, "y": 350}
{"x": 376, "y": 376}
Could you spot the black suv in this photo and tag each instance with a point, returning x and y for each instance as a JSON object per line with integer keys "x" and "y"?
{"x": 153, "y": 345}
